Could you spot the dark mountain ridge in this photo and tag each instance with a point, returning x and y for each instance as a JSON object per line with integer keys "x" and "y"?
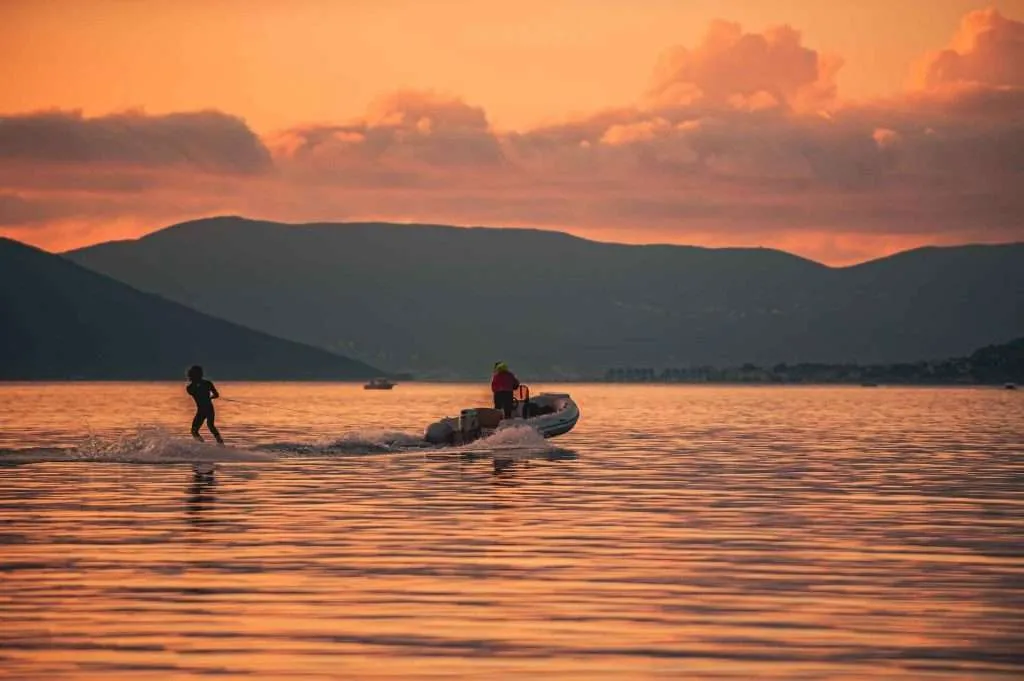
{"x": 61, "y": 321}
{"x": 449, "y": 301}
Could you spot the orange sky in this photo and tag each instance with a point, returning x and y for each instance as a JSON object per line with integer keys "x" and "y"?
{"x": 830, "y": 139}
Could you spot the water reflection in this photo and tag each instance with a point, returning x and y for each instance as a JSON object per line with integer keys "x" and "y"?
{"x": 200, "y": 497}
{"x": 503, "y": 465}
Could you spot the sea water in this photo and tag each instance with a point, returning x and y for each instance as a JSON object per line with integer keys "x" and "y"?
{"x": 677, "y": 532}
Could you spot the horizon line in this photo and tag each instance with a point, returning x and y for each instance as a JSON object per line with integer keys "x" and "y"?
{"x": 561, "y": 231}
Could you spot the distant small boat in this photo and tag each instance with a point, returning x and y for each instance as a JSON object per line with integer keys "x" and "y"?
{"x": 1010, "y": 386}
{"x": 379, "y": 384}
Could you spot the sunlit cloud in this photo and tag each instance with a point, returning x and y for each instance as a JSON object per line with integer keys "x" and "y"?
{"x": 740, "y": 140}
{"x": 987, "y": 49}
{"x": 746, "y": 71}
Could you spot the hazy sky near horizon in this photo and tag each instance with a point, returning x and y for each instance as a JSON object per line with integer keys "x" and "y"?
{"x": 840, "y": 131}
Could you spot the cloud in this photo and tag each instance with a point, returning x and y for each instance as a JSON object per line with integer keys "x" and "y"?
{"x": 208, "y": 141}
{"x": 638, "y": 131}
{"x": 988, "y": 49}
{"x": 746, "y": 71}
{"x": 63, "y": 168}
{"x": 741, "y": 140}
{"x": 17, "y": 211}
{"x": 406, "y": 138}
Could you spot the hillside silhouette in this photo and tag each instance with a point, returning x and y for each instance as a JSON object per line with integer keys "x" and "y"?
{"x": 447, "y": 302}
{"x": 62, "y": 321}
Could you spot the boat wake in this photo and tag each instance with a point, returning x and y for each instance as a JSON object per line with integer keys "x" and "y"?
{"x": 359, "y": 442}
{"x": 515, "y": 438}
{"x": 147, "y": 445}
{"x": 364, "y": 442}
{"x": 155, "y": 445}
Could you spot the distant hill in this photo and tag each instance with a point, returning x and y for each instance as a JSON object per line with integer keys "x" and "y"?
{"x": 62, "y": 321}
{"x": 996, "y": 363}
{"x": 445, "y": 301}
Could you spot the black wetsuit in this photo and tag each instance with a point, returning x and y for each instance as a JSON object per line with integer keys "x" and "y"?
{"x": 503, "y": 400}
{"x": 202, "y": 392}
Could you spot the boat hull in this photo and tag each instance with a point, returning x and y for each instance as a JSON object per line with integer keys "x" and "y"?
{"x": 563, "y": 420}
{"x": 561, "y": 414}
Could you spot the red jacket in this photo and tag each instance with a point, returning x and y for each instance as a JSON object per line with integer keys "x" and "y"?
{"x": 504, "y": 382}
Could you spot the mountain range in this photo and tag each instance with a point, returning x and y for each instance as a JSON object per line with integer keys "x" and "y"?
{"x": 61, "y": 321}
{"x": 447, "y": 302}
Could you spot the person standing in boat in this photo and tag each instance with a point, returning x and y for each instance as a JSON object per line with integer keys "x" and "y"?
{"x": 503, "y": 385}
{"x": 204, "y": 392}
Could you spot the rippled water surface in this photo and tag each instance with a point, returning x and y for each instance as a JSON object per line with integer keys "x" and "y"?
{"x": 678, "y": 532}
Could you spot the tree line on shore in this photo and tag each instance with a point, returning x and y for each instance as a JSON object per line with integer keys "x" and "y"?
{"x": 993, "y": 364}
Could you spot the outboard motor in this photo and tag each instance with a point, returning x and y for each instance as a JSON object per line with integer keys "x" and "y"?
{"x": 469, "y": 425}
{"x": 455, "y": 431}
{"x": 440, "y": 433}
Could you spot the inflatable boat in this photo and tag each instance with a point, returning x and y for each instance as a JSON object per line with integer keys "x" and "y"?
{"x": 550, "y": 414}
